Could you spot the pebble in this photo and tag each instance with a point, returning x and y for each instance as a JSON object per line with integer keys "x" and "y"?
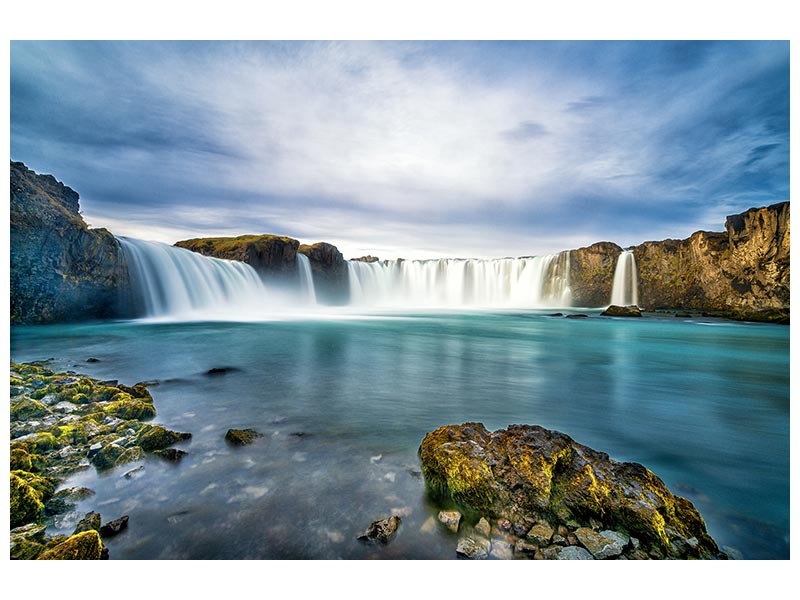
{"x": 450, "y": 519}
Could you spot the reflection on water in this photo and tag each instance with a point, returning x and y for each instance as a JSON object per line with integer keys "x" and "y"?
{"x": 706, "y": 408}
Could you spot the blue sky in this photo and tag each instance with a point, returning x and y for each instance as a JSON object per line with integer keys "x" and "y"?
{"x": 412, "y": 149}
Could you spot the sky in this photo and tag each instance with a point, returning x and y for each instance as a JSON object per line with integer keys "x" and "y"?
{"x": 408, "y": 149}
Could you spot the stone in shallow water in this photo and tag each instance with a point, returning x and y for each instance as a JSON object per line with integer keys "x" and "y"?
{"x": 540, "y": 534}
{"x": 483, "y": 528}
{"x": 450, "y": 519}
{"x": 598, "y": 544}
{"x": 473, "y": 546}
{"x": 501, "y": 549}
{"x": 171, "y": 454}
{"x": 574, "y": 553}
{"x": 382, "y": 531}
{"x": 241, "y": 437}
{"x": 114, "y": 527}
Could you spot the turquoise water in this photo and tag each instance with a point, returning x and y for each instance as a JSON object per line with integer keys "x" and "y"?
{"x": 703, "y": 403}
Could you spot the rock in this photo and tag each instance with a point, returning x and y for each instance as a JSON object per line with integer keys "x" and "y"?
{"x": 541, "y": 534}
{"x": 382, "y": 531}
{"x": 133, "y": 473}
{"x": 271, "y": 255}
{"x": 81, "y": 546}
{"x": 367, "y": 259}
{"x": 171, "y": 454}
{"x": 66, "y": 499}
{"x": 483, "y": 528}
{"x": 92, "y": 360}
{"x": 155, "y": 437}
{"x": 90, "y": 522}
{"x": 556, "y": 315}
{"x": 25, "y": 502}
{"x": 33, "y": 532}
{"x": 622, "y": 311}
{"x": 329, "y": 270}
{"x": 683, "y": 315}
{"x": 474, "y": 547}
{"x": 525, "y": 548}
{"x": 501, "y": 549}
{"x": 551, "y": 552}
{"x": 450, "y": 519}
{"x": 574, "y": 553}
{"x": 511, "y": 474}
{"x": 577, "y": 316}
{"x": 241, "y": 437}
{"x": 598, "y": 544}
{"x": 114, "y": 527}
{"x": 221, "y": 370}
{"x": 623, "y": 539}
{"x": 60, "y": 269}
{"x": 428, "y": 526}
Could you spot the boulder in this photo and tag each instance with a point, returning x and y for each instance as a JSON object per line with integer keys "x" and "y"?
{"x": 156, "y": 437}
{"x": 241, "y": 437}
{"x": 88, "y": 523}
{"x": 382, "y": 531}
{"x": 528, "y": 474}
{"x": 474, "y": 547}
{"x": 450, "y": 519}
{"x": 622, "y": 311}
{"x": 114, "y": 527}
{"x": 81, "y": 546}
{"x": 574, "y": 553}
{"x": 25, "y": 504}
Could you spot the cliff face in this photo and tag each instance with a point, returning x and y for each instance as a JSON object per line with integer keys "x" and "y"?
{"x": 744, "y": 270}
{"x": 275, "y": 257}
{"x": 592, "y": 273}
{"x": 329, "y": 269}
{"x": 272, "y": 254}
{"x": 60, "y": 269}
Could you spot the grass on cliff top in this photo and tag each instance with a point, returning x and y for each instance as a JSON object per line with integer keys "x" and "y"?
{"x": 232, "y": 243}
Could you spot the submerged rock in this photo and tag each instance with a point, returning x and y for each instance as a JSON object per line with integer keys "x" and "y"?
{"x": 171, "y": 454}
{"x": 382, "y": 531}
{"x": 530, "y": 475}
{"x": 474, "y": 547}
{"x": 622, "y": 311}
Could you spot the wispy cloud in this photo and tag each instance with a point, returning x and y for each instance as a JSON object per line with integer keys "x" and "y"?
{"x": 465, "y": 149}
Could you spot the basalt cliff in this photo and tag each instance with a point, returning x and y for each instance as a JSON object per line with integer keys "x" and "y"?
{"x": 61, "y": 270}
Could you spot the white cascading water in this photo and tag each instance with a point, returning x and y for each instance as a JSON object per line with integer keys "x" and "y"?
{"x": 306, "y": 279}
{"x": 178, "y": 283}
{"x": 539, "y": 281}
{"x": 625, "y": 291}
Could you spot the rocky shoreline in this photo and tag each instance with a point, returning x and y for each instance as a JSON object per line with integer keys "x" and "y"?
{"x": 62, "y": 423}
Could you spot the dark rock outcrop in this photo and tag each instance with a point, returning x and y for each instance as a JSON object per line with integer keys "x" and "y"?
{"x": 382, "y": 531}
{"x": 530, "y": 476}
{"x": 271, "y": 255}
{"x": 241, "y": 437}
{"x": 61, "y": 270}
{"x": 329, "y": 269}
{"x": 622, "y": 311}
{"x": 367, "y": 259}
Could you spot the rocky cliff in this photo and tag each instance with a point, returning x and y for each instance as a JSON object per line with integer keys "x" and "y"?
{"x": 742, "y": 272}
{"x": 275, "y": 257}
{"x": 60, "y": 269}
{"x": 329, "y": 269}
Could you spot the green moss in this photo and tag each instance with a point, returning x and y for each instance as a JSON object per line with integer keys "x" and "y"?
{"x": 79, "y": 398}
{"x": 129, "y": 455}
{"x": 25, "y": 505}
{"x": 107, "y": 456}
{"x": 26, "y": 550}
{"x": 102, "y": 393}
{"x": 20, "y": 460}
{"x": 81, "y": 546}
{"x": 137, "y": 391}
{"x": 126, "y": 407}
{"x": 28, "y": 408}
{"x": 241, "y": 437}
{"x": 43, "y": 486}
{"x": 155, "y": 437}
{"x": 41, "y": 442}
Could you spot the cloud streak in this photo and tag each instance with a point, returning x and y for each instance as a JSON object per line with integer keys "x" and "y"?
{"x": 462, "y": 149}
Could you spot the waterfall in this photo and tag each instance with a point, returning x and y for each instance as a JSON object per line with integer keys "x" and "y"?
{"x": 178, "y": 283}
{"x": 306, "y": 279}
{"x": 625, "y": 291}
{"x": 529, "y": 282}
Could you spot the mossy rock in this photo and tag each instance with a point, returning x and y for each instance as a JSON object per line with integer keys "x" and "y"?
{"x": 26, "y": 550}
{"x": 137, "y": 391}
{"x": 66, "y": 499}
{"x": 90, "y": 522}
{"x": 155, "y": 437}
{"x": 129, "y": 455}
{"x": 241, "y": 437}
{"x": 107, "y": 456}
{"x": 43, "y": 486}
{"x": 102, "y": 393}
{"x": 28, "y": 408}
{"x": 20, "y": 460}
{"x": 42, "y": 442}
{"x": 124, "y": 406}
{"x": 81, "y": 546}
{"x": 25, "y": 504}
